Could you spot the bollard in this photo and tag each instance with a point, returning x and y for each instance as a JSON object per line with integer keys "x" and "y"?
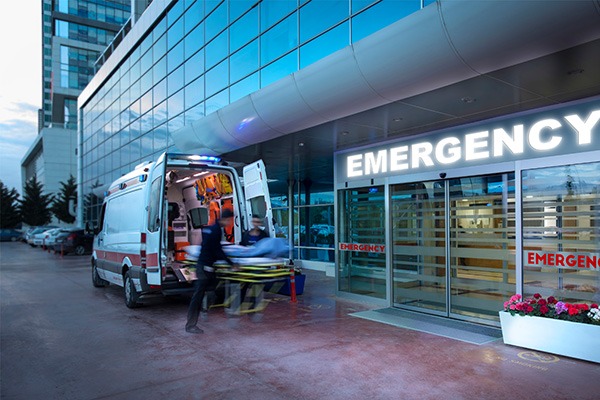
{"x": 293, "y": 286}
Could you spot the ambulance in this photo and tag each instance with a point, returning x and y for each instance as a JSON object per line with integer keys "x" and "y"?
{"x": 150, "y": 215}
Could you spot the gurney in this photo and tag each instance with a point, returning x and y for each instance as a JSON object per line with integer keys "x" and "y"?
{"x": 253, "y": 273}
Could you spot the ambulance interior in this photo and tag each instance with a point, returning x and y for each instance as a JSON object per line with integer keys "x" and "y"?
{"x": 195, "y": 199}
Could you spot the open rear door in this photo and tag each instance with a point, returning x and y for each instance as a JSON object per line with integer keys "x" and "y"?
{"x": 156, "y": 225}
{"x": 257, "y": 196}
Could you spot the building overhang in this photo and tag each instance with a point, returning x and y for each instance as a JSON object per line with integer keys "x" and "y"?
{"x": 443, "y": 44}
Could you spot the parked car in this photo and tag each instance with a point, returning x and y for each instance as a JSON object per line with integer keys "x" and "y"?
{"x": 39, "y": 239}
{"x": 73, "y": 241}
{"x": 51, "y": 237}
{"x": 10, "y": 235}
{"x": 35, "y": 231}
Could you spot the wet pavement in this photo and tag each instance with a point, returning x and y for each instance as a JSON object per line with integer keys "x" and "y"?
{"x": 61, "y": 338}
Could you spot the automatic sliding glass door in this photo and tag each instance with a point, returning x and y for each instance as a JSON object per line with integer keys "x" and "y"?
{"x": 454, "y": 245}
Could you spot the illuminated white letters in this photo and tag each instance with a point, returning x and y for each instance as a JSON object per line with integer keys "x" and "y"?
{"x": 355, "y": 165}
{"x": 501, "y": 142}
{"x": 398, "y": 154}
{"x": 584, "y": 129}
{"x": 514, "y": 144}
{"x": 376, "y": 165}
{"x": 473, "y": 142}
{"x": 453, "y": 152}
{"x": 535, "y": 133}
{"x": 421, "y": 151}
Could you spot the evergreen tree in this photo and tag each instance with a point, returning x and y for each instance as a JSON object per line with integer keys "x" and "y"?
{"x": 35, "y": 205}
{"x": 9, "y": 207}
{"x": 60, "y": 205}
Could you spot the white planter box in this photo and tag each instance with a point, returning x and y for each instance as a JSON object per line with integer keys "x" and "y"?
{"x": 564, "y": 338}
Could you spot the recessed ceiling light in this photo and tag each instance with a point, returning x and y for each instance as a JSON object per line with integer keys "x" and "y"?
{"x": 301, "y": 144}
{"x": 468, "y": 99}
{"x": 344, "y": 133}
{"x": 398, "y": 119}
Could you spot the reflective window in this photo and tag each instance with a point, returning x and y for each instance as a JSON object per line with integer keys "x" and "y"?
{"x": 194, "y": 113}
{"x": 160, "y": 91}
{"x": 84, "y": 33}
{"x": 280, "y": 68}
{"x": 175, "y": 57}
{"x": 159, "y": 70}
{"x": 244, "y": 30}
{"x": 175, "y": 103}
{"x": 244, "y": 87}
{"x": 217, "y": 102}
{"x": 76, "y": 67}
{"x": 358, "y": 5}
{"x": 194, "y": 66}
{"x": 175, "y": 33}
{"x": 279, "y": 40}
{"x": 175, "y": 12}
{"x": 194, "y": 92}
{"x": 381, "y": 15}
{"x": 216, "y": 50}
{"x": 217, "y": 78}
{"x": 319, "y": 15}
{"x": 194, "y": 40}
{"x": 244, "y": 61}
{"x": 324, "y": 45}
{"x": 159, "y": 48}
{"x": 272, "y": 11}
{"x": 216, "y": 21}
{"x": 159, "y": 138}
{"x": 175, "y": 81}
{"x": 561, "y": 232}
{"x": 194, "y": 15}
{"x": 238, "y": 7}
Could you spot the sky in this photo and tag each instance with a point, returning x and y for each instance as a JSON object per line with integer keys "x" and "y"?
{"x": 20, "y": 84}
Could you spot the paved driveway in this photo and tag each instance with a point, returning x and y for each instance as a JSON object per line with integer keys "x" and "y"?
{"x": 61, "y": 338}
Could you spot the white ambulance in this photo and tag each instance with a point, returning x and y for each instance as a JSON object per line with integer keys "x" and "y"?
{"x": 152, "y": 213}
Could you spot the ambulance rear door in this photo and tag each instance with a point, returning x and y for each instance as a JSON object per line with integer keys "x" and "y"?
{"x": 257, "y": 197}
{"x": 156, "y": 223}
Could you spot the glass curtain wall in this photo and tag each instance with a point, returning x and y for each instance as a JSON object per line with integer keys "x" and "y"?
{"x": 561, "y": 232}
{"x": 199, "y": 57}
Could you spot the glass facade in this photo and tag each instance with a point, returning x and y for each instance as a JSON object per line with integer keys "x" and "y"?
{"x": 112, "y": 12}
{"x": 202, "y": 55}
{"x": 76, "y": 67}
{"x": 83, "y": 33}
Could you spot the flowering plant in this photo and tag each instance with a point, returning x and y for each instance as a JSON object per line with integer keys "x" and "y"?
{"x": 551, "y": 308}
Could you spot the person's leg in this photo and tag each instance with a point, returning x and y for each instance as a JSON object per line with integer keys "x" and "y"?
{"x": 196, "y": 301}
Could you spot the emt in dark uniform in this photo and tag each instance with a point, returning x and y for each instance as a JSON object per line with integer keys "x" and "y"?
{"x": 255, "y": 234}
{"x": 211, "y": 252}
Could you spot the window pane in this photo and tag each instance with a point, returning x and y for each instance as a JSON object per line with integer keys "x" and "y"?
{"x": 319, "y": 15}
{"x": 216, "y": 50}
{"x": 193, "y": 114}
{"x": 175, "y": 81}
{"x": 279, "y": 40}
{"x": 216, "y": 21}
{"x": 358, "y": 5}
{"x": 272, "y": 11}
{"x": 160, "y": 91}
{"x": 159, "y": 71}
{"x": 238, "y": 7}
{"x": 244, "y": 87}
{"x": 279, "y": 69}
{"x": 194, "y": 92}
{"x": 328, "y": 43}
{"x": 381, "y": 15}
{"x": 194, "y": 15}
{"x": 194, "y": 66}
{"x": 194, "y": 40}
{"x": 561, "y": 231}
{"x": 176, "y": 103}
{"x": 217, "y": 78}
{"x": 244, "y": 30}
{"x": 217, "y": 102}
{"x": 175, "y": 57}
{"x": 244, "y": 61}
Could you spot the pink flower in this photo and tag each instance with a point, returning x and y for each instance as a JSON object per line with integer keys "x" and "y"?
{"x": 513, "y": 307}
{"x": 537, "y": 296}
{"x": 544, "y": 309}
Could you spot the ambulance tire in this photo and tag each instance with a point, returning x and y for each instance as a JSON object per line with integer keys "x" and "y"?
{"x": 131, "y": 295}
{"x": 96, "y": 280}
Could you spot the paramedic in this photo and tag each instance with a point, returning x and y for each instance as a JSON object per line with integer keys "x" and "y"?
{"x": 255, "y": 234}
{"x": 211, "y": 252}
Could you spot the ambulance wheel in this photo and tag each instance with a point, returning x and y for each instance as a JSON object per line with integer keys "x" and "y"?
{"x": 131, "y": 295}
{"x": 96, "y": 280}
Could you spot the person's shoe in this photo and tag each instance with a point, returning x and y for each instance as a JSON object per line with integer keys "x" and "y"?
{"x": 194, "y": 329}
